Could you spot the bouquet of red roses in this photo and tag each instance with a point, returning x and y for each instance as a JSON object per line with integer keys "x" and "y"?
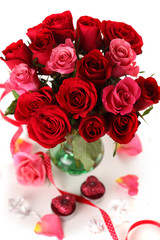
{"x": 81, "y": 81}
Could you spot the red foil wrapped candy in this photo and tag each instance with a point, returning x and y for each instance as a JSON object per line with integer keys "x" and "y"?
{"x": 63, "y": 205}
{"x": 92, "y": 188}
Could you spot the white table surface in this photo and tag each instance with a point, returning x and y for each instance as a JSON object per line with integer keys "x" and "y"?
{"x": 15, "y": 18}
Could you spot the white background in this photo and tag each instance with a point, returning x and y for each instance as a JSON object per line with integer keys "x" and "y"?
{"x": 15, "y": 18}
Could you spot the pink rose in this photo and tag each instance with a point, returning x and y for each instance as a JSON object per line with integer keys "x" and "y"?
{"x": 63, "y": 58}
{"x": 121, "y": 57}
{"x": 23, "y": 79}
{"x": 120, "y": 98}
{"x": 30, "y": 168}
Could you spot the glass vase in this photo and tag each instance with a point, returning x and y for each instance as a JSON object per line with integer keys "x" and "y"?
{"x": 77, "y": 156}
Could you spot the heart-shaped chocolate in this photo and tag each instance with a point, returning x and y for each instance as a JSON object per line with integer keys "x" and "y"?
{"x": 92, "y": 188}
{"x": 63, "y": 205}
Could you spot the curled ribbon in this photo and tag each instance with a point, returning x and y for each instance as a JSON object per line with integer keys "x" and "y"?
{"x": 142, "y": 222}
{"x": 5, "y": 92}
{"x": 10, "y": 120}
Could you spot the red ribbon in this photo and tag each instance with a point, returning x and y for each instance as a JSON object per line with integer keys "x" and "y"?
{"x": 5, "y": 92}
{"x": 10, "y": 120}
{"x": 142, "y": 222}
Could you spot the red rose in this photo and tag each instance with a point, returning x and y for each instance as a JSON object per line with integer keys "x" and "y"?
{"x": 30, "y": 102}
{"x": 88, "y": 36}
{"x": 123, "y": 127}
{"x": 42, "y": 47}
{"x": 112, "y": 30}
{"x": 17, "y": 53}
{"x": 94, "y": 67}
{"x": 77, "y": 96}
{"x": 92, "y": 127}
{"x": 49, "y": 126}
{"x": 150, "y": 93}
{"x": 32, "y": 32}
{"x": 61, "y": 25}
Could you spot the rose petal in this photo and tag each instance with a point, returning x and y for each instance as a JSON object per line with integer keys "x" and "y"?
{"x": 22, "y": 146}
{"x": 130, "y": 182}
{"x": 133, "y": 148}
{"x": 50, "y": 226}
{"x": 68, "y": 42}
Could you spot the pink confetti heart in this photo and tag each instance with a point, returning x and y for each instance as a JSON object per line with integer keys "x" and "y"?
{"x": 50, "y": 226}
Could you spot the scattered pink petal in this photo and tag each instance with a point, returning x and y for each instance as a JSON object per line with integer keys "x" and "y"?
{"x": 133, "y": 148}
{"x": 50, "y": 226}
{"x": 22, "y": 146}
{"x": 130, "y": 182}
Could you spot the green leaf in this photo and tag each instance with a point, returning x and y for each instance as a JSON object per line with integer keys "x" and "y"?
{"x": 77, "y": 44}
{"x": 139, "y": 114}
{"x": 115, "y": 150}
{"x": 34, "y": 61}
{"x": 43, "y": 82}
{"x": 147, "y": 111}
{"x": 112, "y": 81}
{"x": 39, "y": 65}
{"x": 15, "y": 94}
{"x": 11, "y": 108}
{"x": 36, "y": 64}
{"x": 73, "y": 74}
{"x": 86, "y": 152}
